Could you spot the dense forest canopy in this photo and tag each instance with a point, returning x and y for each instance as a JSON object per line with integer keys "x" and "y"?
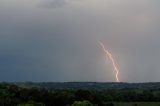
{"x": 29, "y": 95}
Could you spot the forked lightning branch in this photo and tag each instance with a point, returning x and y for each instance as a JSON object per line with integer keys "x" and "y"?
{"x": 109, "y": 55}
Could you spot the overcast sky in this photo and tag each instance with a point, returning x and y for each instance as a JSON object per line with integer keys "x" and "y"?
{"x": 57, "y": 40}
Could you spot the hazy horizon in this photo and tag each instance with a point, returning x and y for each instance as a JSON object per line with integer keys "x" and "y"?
{"x": 57, "y": 40}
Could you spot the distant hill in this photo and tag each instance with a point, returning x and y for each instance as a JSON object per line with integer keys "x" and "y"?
{"x": 91, "y": 85}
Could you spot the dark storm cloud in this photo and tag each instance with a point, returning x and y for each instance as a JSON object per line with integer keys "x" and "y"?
{"x": 61, "y": 43}
{"x": 52, "y": 3}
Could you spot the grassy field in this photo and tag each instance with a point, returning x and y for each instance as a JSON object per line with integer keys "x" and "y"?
{"x": 138, "y": 104}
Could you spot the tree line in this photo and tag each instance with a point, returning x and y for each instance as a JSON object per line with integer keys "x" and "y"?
{"x": 13, "y": 95}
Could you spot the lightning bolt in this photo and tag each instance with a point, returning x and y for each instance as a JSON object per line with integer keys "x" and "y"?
{"x": 109, "y": 55}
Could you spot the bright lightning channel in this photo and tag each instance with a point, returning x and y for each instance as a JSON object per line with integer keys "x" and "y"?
{"x": 109, "y": 55}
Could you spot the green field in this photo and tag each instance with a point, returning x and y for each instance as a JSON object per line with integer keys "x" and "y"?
{"x": 138, "y": 104}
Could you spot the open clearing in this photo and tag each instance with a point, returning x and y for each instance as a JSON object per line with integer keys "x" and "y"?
{"x": 138, "y": 104}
